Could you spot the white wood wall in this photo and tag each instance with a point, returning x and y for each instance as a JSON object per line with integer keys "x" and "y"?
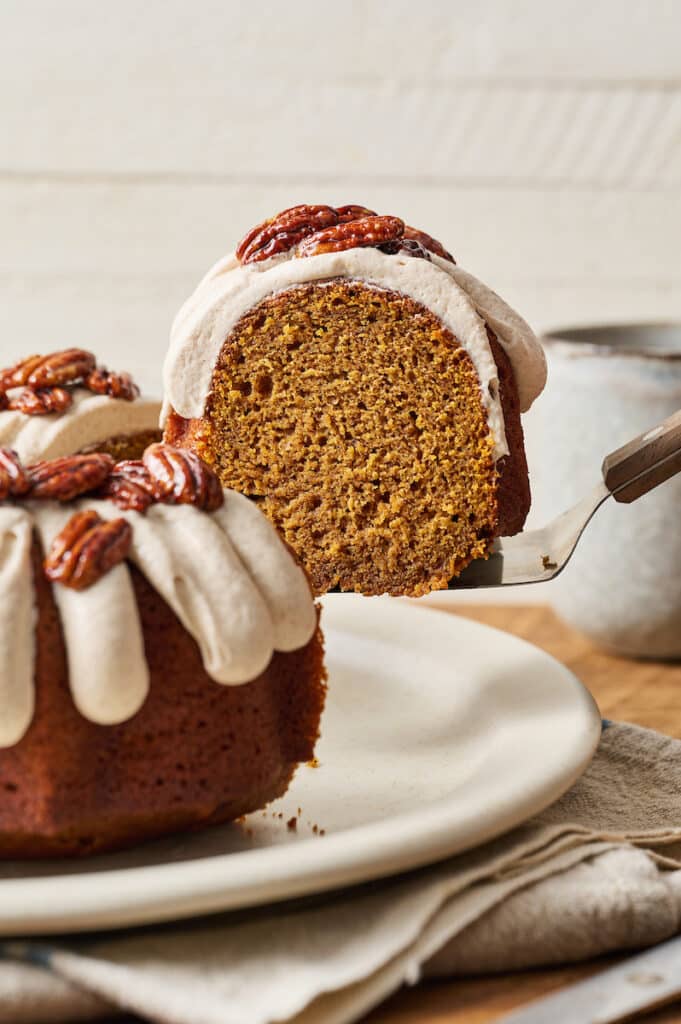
{"x": 541, "y": 141}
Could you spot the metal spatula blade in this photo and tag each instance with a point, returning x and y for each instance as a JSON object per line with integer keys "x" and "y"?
{"x": 538, "y": 555}
{"x": 534, "y": 556}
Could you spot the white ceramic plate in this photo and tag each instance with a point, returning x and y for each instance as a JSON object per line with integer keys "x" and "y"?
{"x": 439, "y": 733}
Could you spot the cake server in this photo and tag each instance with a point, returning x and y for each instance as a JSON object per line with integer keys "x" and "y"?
{"x": 538, "y": 555}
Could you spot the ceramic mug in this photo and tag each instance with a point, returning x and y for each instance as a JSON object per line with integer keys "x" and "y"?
{"x": 606, "y": 385}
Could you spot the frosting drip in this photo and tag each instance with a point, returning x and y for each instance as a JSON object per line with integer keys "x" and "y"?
{"x": 226, "y": 575}
{"x": 17, "y": 625}
{"x": 461, "y": 302}
{"x": 90, "y": 420}
{"x": 102, "y": 633}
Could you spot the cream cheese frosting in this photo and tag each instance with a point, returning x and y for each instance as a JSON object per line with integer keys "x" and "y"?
{"x": 227, "y": 576}
{"x": 461, "y": 302}
{"x": 17, "y": 625}
{"x": 90, "y": 420}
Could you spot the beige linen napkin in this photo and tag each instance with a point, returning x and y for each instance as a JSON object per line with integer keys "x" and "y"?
{"x": 596, "y": 872}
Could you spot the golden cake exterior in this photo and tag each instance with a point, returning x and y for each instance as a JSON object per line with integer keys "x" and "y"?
{"x": 161, "y": 663}
{"x": 364, "y": 391}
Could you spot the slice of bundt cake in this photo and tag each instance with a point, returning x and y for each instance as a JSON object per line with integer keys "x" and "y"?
{"x": 346, "y": 375}
{"x": 65, "y": 402}
{"x": 161, "y": 665}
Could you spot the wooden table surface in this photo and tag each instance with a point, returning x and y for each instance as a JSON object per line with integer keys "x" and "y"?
{"x": 647, "y": 693}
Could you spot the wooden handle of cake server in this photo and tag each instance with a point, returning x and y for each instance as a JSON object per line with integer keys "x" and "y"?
{"x": 645, "y": 462}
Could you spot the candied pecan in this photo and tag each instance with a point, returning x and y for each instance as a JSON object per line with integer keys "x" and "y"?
{"x": 407, "y": 245}
{"x": 130, "y": 486}
{"x": 428, "y": 242}
{"x": 65, "y": 478}
{"x": 41, "y": 401}
{"x": 86, "y": 549}
{"x": 366, "y": 231}
{"x": 353, "y": 212}
{"x": 283, "y": 232}
{"x": 4, "y": 401}
{"x": 117, "y": 385}
{"x": 182, "y": 478}
{"x": 65, "y": 367}
{"x": 17, "y": 375}
{"x": 14, "y": 480}
{"x": 317, "y": 229}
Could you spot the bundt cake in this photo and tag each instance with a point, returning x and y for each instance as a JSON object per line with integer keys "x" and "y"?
{"x": 161, "y": 664}
{"x": 64, "y": 402}
{"x": 342, "y": 372}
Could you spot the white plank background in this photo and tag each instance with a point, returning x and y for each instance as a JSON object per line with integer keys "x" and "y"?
{"x": 138, "y": 141}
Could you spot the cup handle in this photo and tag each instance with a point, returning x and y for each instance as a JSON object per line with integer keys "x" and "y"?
{"x": 645, "y": 462}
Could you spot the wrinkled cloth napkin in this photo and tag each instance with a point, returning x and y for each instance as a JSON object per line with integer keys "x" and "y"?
{"x": 599, "y": 871}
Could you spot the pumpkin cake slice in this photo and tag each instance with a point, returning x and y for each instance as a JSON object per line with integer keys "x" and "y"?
{"x": 364, "y": 391}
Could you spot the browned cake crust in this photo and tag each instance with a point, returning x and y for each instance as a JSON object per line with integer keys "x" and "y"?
{"x": 196, "y": 754}
{"x": 513, "y": 482}
{"x": 354, "y": 418}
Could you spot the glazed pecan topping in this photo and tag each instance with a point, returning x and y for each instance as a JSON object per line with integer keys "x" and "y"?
{"x": 14, "y": 480}
{"x": 284, "y": 231}
{"x": 406, "y": 245}
{"x": 353, "y": 212}
{"x": 86, "y": 549}
{"x": 366, "y": 231}
{"x": 428, "y": 242}
{"x": 66, "y": 478}
{"x": 131, "y": 486}
{"x": 45, "y": 380}
{"x": 117, "y": 385}
{"x": 65, "y": 367}
{"x": 16, "y": 376}
{"x": 316, "y": 229}
{"x": 41, "y": 401}
{"x": 170, "y": 475}
{"x": 181, "y": 478}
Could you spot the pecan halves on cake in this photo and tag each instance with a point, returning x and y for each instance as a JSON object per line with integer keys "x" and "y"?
{"x": 14, "y": 480}
{"x": 117, "y": 385}
{"x": 182, "y": 478}
{"x": 17, "y": 375}
{"x": 45, "y": 380}
{"x": 353, "y": 212}
{"x": 59, "y": 368}
{"x": 131, "y": 486}
{"x": 66, "y": 478}
{"x": 409, "y": 246}
{"x": 41, "y": 401}
{"x": 365, "y": 231}
{"x": 86, "y": 549}
{"x": 316, "y": 229}
{"x": 284, "y": 231}
{"x": 428, "y": 242}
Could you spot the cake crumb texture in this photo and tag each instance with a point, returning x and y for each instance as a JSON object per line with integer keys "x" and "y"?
{"x": 354, "y": 419}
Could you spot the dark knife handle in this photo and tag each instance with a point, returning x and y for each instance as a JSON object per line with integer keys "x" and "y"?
{"x": 645, "y": 462}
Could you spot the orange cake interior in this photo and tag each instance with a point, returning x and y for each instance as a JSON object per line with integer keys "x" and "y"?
{"x": 354, "y": 418}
